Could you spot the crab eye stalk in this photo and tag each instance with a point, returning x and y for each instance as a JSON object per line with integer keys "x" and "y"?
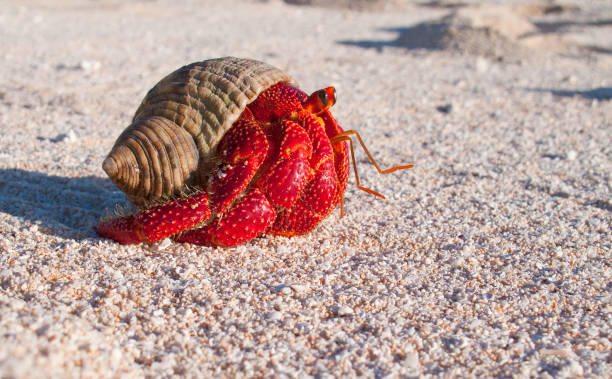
{"x": 323, "y": 97}
{"x": 321, "y": 100}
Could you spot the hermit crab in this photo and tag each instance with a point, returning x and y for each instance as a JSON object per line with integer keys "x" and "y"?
{"x": 224, "y": 150}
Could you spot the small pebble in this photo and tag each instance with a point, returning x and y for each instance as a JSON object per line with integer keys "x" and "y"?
{"x": 302, "y": 328}
{"x": 482, "y": 65}
{"x": 458, "y": 295}
{"x": 274, "y": 316}
{"x": 89, "y": 66}
{"x": 282, "y": 289}
{"x": 446, "y": 108}
{"x": 163, "y": 244}
{"x": 69, "y": 136}
{"x": 341, "y": 311}
{"x": 412, "y": 360}
{"x": 299, "y": 288}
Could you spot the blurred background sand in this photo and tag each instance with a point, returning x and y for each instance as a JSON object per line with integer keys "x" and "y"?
{"x": 491, "y": 257}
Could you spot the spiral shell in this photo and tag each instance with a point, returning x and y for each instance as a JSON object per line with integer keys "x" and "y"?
{"x": 171, "y": 144}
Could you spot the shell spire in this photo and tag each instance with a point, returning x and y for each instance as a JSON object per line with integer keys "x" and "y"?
{"x": 171, "y": 144}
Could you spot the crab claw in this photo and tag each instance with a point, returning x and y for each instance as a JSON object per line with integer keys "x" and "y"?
{"x": 158, "y": 222}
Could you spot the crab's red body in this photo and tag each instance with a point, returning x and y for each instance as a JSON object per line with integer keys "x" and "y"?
{"x": 280, "y": 174}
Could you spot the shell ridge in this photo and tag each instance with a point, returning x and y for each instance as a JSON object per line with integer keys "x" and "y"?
{"x": 137, "y": 145}
{"x": 165, "y": 152}
{"x": 173, "y": 110}
{"x": 158, "y": 157}
{"x": 180, "y": 150}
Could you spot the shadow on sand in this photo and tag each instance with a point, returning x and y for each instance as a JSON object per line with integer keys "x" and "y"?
{"x": 62, "y": 206}
{"x": 451, "y": 32}
{"x": 427, "y": 35}
{"x": 454, "y": 32}
{"x": 561, "y": 26}
{"x": 600, "y": 93}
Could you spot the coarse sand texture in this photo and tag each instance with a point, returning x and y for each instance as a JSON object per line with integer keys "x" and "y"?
{"x": 492, "y": 257}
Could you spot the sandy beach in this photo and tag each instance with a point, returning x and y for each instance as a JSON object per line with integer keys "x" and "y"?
{"x": 492, "y": 257}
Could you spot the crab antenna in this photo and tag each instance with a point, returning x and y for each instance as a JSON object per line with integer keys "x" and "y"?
{"x": 345, "y": 136}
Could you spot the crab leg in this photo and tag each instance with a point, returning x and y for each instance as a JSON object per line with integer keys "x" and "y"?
{"x": 345, "y": 137}
{"x": 158, "y": 222}
{"x": 245, "y": 220}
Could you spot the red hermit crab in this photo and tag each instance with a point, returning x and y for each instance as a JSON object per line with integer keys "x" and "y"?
{"x": 224, "y": 150}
